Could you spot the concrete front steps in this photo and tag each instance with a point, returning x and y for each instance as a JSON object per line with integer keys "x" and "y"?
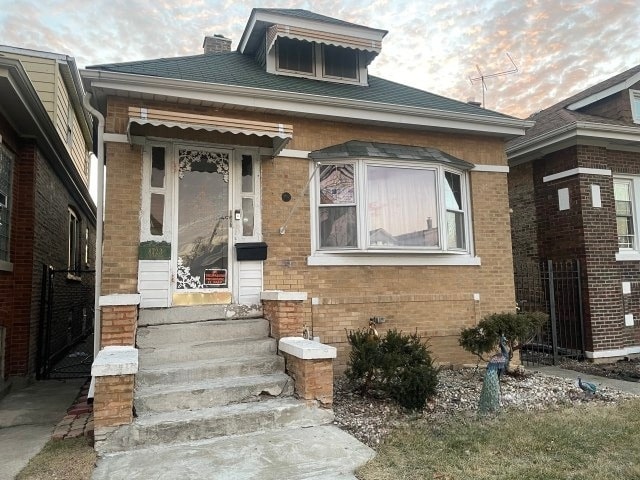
{"x": 219, "y": 385}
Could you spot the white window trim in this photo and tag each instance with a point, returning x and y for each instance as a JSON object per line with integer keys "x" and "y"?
{"x": 77, "y": 250}
{"x": 318, "y": 67}
{"x": 374, "y": 257}
{"x": 147, "y": 190}
{"x": 631, "y": 254}
{"x": 634, "y": 97}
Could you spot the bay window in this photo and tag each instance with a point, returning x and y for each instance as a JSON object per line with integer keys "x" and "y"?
{"x": 372, "y": 206}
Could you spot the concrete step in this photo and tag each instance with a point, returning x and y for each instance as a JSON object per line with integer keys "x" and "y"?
{"x": 235, "y": 419}
{"x": 210, "y": 393}
{"x": 323, "y": 452}
{"x": 214, "y": 330}
{"x": 191, "y": 351}
{"x": 174, "y": 373}
{"x": 196, "y": 313}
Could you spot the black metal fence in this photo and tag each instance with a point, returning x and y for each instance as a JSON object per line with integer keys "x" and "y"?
{"x": 65, "y": 349}
{"x": 553, "y": 287}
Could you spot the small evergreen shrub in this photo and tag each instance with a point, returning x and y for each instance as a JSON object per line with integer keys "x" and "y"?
{"x": 398, "y": 366}
{"x": 517, "y": 328}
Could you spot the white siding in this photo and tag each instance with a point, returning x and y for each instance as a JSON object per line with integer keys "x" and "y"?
{"x": 250, "y": 280}
{"x": 154, "y": 283}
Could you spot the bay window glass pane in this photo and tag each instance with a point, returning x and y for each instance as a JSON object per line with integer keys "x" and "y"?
{"x": 156, "y": 218}
{"x": 402, "y": 207}
{"x": 455, "y": 215}
{"x": 337, "y": 184}
{"x": 338, "y": 227}
{"x": 624, "y": 214}
{"x": 247, "y": 217}
{"x": 157, "y": 167}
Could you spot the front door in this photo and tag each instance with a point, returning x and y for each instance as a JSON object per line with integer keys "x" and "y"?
{"x": 203, "y": 224}
{"x": 217, "y": 207}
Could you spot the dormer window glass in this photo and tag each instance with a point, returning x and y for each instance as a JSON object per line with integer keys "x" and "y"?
{"x": 295, "y": 55}
{"x": 340, "y": 62}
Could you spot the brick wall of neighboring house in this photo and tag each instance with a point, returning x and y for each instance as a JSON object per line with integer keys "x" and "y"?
{"x": 524, "y": 228}
{"x": 616, "y": 106}
{"x": 587, "y": 233}
{"x": 39, "y": 236}
{"x": 436, "y": 300}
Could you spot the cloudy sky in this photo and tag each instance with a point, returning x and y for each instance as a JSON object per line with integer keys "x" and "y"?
{"x": 559, "y": 46}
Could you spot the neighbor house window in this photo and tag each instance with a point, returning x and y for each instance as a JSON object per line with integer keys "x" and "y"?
{"x": 6, "y": 175}
{"x": 625, "y": 212}
{"x": 295, "y": 55}
{"x": 635, "y": 105}
{"x": 364, "y": 205}
{"x": 75, "y": 250}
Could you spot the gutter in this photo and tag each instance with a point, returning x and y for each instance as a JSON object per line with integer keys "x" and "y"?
{"x": 573, "y": 131}
{"x": 253, "y": 97}
{"x": 99, "y": 224}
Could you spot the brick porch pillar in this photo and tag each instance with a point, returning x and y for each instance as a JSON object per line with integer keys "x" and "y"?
{"x": 285, "y": 312}
{"x": 310, "y": 364}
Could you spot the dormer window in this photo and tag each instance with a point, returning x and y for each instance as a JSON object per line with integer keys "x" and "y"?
{"x": 316, "y": 60}
{"x": 295, "y": 55}
{"x": 340, "y": 62}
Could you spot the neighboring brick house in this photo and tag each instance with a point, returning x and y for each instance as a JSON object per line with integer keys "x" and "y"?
{"x": 285, "y": 167}
{"x": 574, "y": 186}
{"x": 47, "y": 216}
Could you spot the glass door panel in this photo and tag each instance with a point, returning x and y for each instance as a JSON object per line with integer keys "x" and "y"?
{"x": 203, "y": 220}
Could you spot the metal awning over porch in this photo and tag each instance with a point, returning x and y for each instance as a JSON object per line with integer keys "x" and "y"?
{"x": 279, "y": 133}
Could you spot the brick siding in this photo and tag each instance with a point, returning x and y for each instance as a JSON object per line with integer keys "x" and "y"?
{"x": 437, "y": 301}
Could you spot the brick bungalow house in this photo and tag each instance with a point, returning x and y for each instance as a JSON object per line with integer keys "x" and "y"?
{"x": 282, "y": 179}
{"x": 574, "y": 186}
{"x": 47, "y": 216}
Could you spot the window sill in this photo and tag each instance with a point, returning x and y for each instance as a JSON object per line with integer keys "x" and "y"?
{"x": 627, "y": 256}
{"x": 74, "y": 278}
{"x": 335, "y": 259}
{"x": 6, "y": 266}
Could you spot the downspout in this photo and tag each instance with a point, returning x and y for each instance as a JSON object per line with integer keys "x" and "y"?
{"x": 99, "y": 225}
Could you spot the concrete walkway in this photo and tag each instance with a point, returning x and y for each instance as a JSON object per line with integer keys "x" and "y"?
{"x": 315, "y": 453}
{"x": 621, "y": 385}
{"x": 27, "y": 418}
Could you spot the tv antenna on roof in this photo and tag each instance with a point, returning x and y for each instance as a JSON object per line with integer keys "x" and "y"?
{"x": 482, "y": 77}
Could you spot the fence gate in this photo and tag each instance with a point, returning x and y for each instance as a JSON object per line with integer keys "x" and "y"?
{"x": 552, "y": 287}
{"x": 65, "y": 336}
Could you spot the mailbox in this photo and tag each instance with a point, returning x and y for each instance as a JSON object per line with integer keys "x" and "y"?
{"x": 251, "y": 251}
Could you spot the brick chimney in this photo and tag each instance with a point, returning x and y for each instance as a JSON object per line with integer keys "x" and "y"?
{"x": 216, "y": 44}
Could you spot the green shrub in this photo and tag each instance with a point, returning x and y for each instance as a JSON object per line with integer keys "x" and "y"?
{"x": 398, "y": 366}
{"x": 517, "y": 328}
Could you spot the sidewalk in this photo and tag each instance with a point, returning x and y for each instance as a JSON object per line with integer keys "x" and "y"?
{"x": 621, "y": 385}
{"x": 27, "y": 419}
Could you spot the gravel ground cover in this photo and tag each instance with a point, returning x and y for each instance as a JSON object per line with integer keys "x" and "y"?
{"x": 372, "y": 419}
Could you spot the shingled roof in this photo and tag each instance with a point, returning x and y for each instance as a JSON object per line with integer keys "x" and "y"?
{"x": 235, "y": 69}
{"x": 558, "y": 115}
